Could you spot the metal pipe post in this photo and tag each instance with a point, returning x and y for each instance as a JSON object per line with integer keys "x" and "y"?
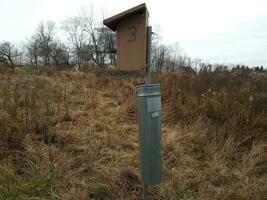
{"x": 148, "y": 55}
{"x": 148, "y": 81}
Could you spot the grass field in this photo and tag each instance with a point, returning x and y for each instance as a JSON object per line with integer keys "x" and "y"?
{"x": 73, "y": 135}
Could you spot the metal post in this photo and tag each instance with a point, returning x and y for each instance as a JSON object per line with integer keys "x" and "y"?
{"x": 148, "y": 81}
{"x": 148, "y": 55}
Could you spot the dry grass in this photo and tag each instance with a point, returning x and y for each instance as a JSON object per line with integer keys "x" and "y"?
{"x": 73, "y": 135}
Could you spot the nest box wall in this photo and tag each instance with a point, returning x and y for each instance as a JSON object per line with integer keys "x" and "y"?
{"x": 131, "y": 27}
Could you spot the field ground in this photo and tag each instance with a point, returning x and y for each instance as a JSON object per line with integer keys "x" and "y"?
{"x": 73, "y": 135}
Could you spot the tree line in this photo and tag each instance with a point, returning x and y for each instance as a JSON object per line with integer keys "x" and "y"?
{"x": 87, "y": 43}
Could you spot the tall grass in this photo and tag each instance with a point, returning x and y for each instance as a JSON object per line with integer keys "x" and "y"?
{"x": 73, "y": 135}
{"x": 221, "y": 120}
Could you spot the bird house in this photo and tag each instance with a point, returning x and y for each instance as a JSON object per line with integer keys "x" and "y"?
{"x": 131, "y": 30}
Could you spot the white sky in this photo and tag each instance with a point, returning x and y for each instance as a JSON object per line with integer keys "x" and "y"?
{"x": 229, "y": 31}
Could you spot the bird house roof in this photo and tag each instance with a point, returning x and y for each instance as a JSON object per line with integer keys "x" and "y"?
{"x": 113, "y": 21}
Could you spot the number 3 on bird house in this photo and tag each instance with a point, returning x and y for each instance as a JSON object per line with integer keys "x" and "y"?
{"x": 132, "y": 33}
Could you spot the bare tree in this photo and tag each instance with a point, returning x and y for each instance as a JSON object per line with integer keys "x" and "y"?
{"x": 75, "y": 29}
{"x": 101, "y": 41}
{"x": 175, "y": 56}
{"x": 106, "y": 46}
{"x": 32, "y": 50}
{"x": 45, "y": 37}
{"x": 59, "y": 55}
{"x": 93, "y": 42}
{"x": 8, "y": 53}
{"x": 20, "y": 58}
{"x": 196, "y": 63}
{"x": 161, "y": 53}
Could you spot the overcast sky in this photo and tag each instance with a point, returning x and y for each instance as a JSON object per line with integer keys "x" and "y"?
{"x": 224, "y": 31}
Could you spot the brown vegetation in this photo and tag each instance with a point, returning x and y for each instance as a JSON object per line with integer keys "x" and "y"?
{"x": 73, "y": 135}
